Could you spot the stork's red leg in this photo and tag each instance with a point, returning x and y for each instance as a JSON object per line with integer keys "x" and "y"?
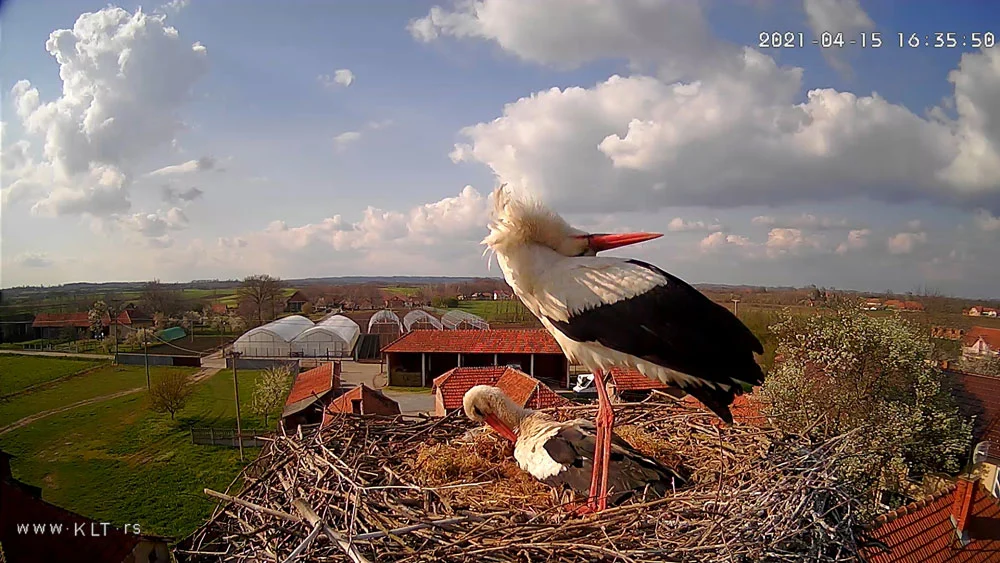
{"x": 602, "y": 451}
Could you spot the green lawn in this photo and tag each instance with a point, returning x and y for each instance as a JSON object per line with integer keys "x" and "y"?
{"x": 20, "y": 372}
{"x": 402, "y": 291}
{"x": 504, "y": 311}
{"x": 109, "y": 379}
{"x": 213, "y": 404}
{"x": 117, "y": 461}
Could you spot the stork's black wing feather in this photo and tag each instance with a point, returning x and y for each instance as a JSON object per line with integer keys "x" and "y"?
{"x": 628, "y": 471}
{"x": 675, "y": 326}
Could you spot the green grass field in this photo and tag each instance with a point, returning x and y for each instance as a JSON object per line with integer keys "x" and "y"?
{"x": 20, "y": 372}
{"x": 402, "y": 291}
{"x": 502, "y": 311}
{"x": 119, "y": 462}
{"x": 104, "y": 381}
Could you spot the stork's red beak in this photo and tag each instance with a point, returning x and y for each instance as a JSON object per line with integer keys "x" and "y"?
{"x": 599, "y": 242}
{"x": 500, "y": 427}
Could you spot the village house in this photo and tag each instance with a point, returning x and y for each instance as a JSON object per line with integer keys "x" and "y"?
{"x": 417, "y": 357}
{"x": 526, "y": 391}
{"x": 981, "y": 341}
{"x": 960, "y": 524}
{"x": 907, "y": 306}
{"x": 95, "y": 543}
{"x": 310, "y": 395}
{"x": 979, "y": 398}
{"x": 295, "y": 302}
{"x": 361, "y": 400}
{"x": 58, "y": 325}
{"x": 872, "y": 305}
{"x": 980, "y": 311}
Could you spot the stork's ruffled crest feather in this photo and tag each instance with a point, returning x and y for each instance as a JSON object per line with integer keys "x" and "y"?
{"x": 523, "y": 220}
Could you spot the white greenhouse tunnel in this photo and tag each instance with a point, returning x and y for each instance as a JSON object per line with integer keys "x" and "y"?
{"x": 272, "y": 339}
{"x": 333, "y": 336}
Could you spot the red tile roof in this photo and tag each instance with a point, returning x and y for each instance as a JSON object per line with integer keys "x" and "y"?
{"x": 317, "y": 381}
{"x": 372, "y": 402}
{"x": 77, "y": 320}
{"x": 633, "y": 380}
{"x": 979, "y": 396}
{"x": 925, "y": 531}
{"x": 519, "y": 386}
{"x": 510, "y": 341}
{"x": 989, "y": 335}
{"x": 745, "y": 408}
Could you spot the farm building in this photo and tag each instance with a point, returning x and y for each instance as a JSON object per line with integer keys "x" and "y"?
{"x": 295, "y": 302}
{"x": 981, "y": 341}
{"x": 311, "y": 392}
{"x": 629, "y": 384}
{"x": 386, "y": 325}
{"x": 418, "y": 319}
{"x": 57, "y": 325}
{"x": 417, "y": 357}
{"x": 334, "y": 336}
{"x": 457, "y": 319}
{"x": 361, "y": 400}
{"x": 273, "y": 339}
{"x": 450, "y": 387}
{"x": 979, "y": 398}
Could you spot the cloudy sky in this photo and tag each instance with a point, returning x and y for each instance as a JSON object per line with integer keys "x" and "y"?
{"x": 215, "y": 139}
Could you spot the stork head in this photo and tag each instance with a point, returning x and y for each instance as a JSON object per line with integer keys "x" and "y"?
{"x": 518, "y": 222}
{"x": 488, "y": 404}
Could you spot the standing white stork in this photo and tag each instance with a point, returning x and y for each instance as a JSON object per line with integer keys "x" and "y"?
{"x": 609, "y": 312}
{"x": 562, "y": 454}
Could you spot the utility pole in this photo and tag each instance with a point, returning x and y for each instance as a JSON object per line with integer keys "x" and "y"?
{"x": 236, "y": 386}
{"x": 736, "y": 306}
{"x": 145, "y": 353}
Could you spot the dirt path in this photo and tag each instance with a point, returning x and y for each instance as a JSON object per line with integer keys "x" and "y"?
{"x": 198, "y": 377}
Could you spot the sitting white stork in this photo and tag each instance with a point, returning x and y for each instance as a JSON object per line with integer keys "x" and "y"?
{"x": 609, "y": 312}
{"x": 561, "y": 454}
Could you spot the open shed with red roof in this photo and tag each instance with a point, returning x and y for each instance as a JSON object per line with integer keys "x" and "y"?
{"x": 417, "y": 357}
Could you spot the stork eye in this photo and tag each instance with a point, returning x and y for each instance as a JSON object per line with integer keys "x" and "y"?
{"x": 477, "y": 412}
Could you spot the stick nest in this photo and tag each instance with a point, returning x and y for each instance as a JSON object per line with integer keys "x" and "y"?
{"x": 417, "y": 489}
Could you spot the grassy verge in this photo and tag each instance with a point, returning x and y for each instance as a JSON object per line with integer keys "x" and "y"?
{"x": 119, "y": 462}
{"x": 414, "y": 390}
{"x": 20, "y": 372}
{"x": 104, "y": 381}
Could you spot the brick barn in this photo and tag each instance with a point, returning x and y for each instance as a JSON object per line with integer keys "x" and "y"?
{"x": 450, "y": 387}
{"x": 361, "y": 400}
{"x": 416, "y": 358}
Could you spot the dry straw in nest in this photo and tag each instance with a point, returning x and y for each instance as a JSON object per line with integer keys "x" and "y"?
{"x": 417, "y": 489}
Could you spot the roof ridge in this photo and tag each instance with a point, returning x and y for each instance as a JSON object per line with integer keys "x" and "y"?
{"x": 914, "y": 506}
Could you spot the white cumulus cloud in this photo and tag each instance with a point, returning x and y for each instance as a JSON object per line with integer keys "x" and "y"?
{"x": 733, "y": 132}
{"x": 679, "y": 225}
{"x": 905, "y": 243}
{"x": 125, "y": 77}
{"x": 342, "y": 77}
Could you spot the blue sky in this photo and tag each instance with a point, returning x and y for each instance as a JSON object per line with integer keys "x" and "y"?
{"x": 753, "y": 179}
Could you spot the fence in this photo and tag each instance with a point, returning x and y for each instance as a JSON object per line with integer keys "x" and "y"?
{"x": 227, "y": 437}
{"x": 159, "y": 360}
{"x": 262, "y": 363}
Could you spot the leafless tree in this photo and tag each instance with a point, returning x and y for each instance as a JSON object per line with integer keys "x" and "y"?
{"x": 158, "y": 298}
{"x": 170, "y": 393}
{"x": 260, "y": 291}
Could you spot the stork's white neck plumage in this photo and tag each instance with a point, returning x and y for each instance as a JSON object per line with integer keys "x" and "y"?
{"x": 523, "y": 267}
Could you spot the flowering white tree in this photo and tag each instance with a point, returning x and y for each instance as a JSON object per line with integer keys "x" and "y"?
{"x": 96, "y": 316}
{"x": 269, "y": 391}
{"x": 849, "y": 372}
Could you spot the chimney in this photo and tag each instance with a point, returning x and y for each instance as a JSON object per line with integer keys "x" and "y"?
{"x": 335, "y": 376}
{"x": 965, "y": 490}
